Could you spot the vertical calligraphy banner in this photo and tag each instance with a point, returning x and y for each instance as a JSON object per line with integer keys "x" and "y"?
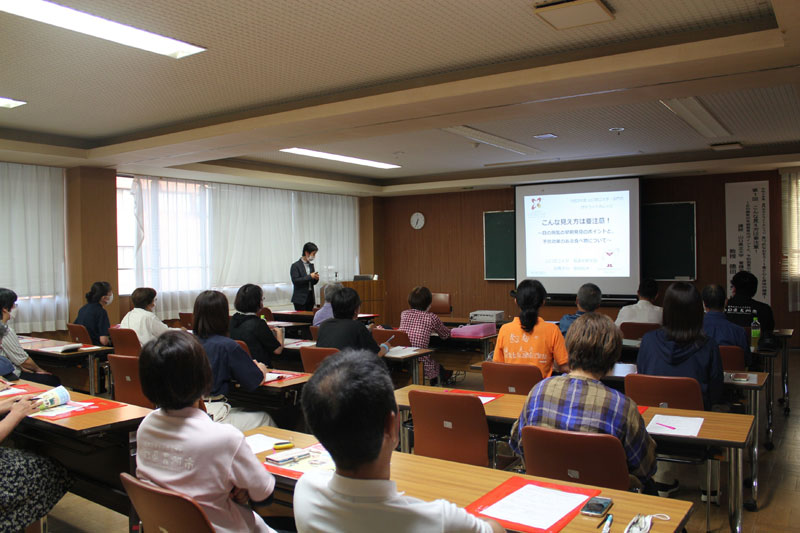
{"x": 747, "y": 232}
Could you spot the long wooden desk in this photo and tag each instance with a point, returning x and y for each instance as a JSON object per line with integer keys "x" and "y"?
{"x": 94, "y": 447}
{"x": 280, "y": 398}
{"x": 727, "y": 430}
{"x": 85, "y": 356}
{"x": 308, "y": 316}
{"x": 430, "y": 479}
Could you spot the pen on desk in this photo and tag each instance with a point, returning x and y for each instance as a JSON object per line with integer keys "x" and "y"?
{"x": 664, "y": 425}
{"x": 608, "y": 520}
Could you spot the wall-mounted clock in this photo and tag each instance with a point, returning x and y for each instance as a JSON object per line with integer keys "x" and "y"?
{"x": 417, "y": 220}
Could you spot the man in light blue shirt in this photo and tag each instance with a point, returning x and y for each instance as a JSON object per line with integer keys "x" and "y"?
{"x": 326, "y": 311}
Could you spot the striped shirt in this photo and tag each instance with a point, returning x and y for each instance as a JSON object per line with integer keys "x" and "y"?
{"x": 575, "y": 403}
{"x": 12, "y": 350}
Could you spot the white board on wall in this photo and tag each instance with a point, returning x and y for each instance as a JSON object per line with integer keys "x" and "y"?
{"x": 747, "y": 232}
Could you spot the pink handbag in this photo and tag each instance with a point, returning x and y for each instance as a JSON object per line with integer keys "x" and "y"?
{"x": 475, "y": 330}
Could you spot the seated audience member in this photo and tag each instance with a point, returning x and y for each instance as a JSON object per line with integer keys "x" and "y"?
{"x": 645, "y": 309}
{"x": 742, "y": 307}
{"x": 141, "y": 318}
{"x": 30, "y": 485}
{"x": 360, "y": 496}
{"x": 181, "y": 449}
{"x": 578, "y": 401}
{"x": 228, "y": 361}
{"x": 344, "y": 330}
{"x": 587, "y": 300}
{"x": 679, "y": 348}
{"x": 718, "y": 327}
{"x": 326, "y": 311}
{"x": 247, "y": 326}
{"x": 10, "y": 348}
{"x": 529, "y": 340}
{"x": 419, "y": 323}
{"x": 93, "y": 315}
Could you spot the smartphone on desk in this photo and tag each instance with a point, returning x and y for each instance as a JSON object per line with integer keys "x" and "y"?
{"x": 597, "y": 506}
{"x": 288, "y": 456}
{"x": 740, "y": 376}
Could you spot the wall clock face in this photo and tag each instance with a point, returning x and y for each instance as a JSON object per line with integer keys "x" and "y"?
{"x": 417, "y": 220}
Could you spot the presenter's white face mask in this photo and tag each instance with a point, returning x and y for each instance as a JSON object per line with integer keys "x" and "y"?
{"x": 311, "y": 258}
{"x": 13, "y": 312}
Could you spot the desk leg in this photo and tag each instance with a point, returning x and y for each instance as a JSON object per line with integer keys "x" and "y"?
{"x": 770, "y": 392}
{"x": 415, "y": 371}
{"x": 735, "y": 489}
{"x": 753, "y": 409}
{"x": 92, "y": 375}
{"x": 785, "y": 375}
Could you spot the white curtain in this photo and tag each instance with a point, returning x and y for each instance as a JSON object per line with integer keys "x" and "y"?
{"x": 195, "y": 235}
{"x": 172, "y": 241}
{"x": 790, "y": 266}
{"x": 32, "y": 234}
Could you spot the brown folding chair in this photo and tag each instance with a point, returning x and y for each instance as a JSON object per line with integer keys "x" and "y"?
{"x": 78, "y": 333}
{"x": 125, "y": 341}
{"x": 441, "y": 303}
{"x": 266, "y": 312}
{"x": 314, "y": 332}
{"x": 127, "y": 386}
{"x": 383, "y": 335}
{"x": 636, "y": 330}
{"x": 589, "y": 458}
{"x": 165, "y": 510}
{"x": 312, "y": 357}
{"x": 450, "y": 426}
{"x": 675, "y": 393}
{"x": 245, "y": 347}
{"x": 186, "y": 320}
{"x": 732, "y": 359}
{"x": 510, "y": 378}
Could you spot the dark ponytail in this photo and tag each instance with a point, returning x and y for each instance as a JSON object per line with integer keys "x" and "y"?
{"x": 98, "y": 290}
{"x": 530, "y": 297}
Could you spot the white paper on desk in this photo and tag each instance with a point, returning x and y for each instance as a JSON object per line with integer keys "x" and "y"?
{"x": 623, "y": 369}
{"x": 13, "y": 390}
{"x": 486, "y": 399}
{"x": 685, "y": 426}
{"x": 632, "y": 343}
{"x": 25, "y": 340}
{"x": 401, "y": 351}
{"x": 261, "y": 443}
{"x": 61, "y": 409}
{"x": 301, "y": 344}
{"x": 63, "y": 348}
{"x": 535, "y": 506}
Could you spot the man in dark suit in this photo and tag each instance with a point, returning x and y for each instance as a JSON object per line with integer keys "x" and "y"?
{"x": 304, "y": 278}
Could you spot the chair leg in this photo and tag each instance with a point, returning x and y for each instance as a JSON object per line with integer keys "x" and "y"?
{"x": 708, "y": 493}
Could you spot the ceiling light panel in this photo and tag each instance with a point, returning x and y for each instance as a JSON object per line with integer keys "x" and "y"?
{"x": 340, "y": 158}
{"x": 9, "y": 103}
{"x": 564, "y": 15}
{"x": 492, "y": 140}
{"x": 691, "y": 111}
{"x": 81, "y": 22}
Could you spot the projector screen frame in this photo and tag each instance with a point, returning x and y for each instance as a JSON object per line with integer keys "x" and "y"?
{"x": 570, "y": 187}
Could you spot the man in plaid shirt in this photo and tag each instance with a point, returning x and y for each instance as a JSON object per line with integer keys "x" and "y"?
{"x": 578, "y": 401}
{"x": 419, "y": 323}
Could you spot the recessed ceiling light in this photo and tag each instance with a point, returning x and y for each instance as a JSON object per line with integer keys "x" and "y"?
{"x": 8, "y": 103}
{"x": 543, "y": 136}
{"x": 721, "y": 147}
{"x": 492, "y": 140}
{"x": 616, "y": 130}
{"x": 340, "y": 158}
{"x": 565, "y": 14}
{"x": 70, "y": 19}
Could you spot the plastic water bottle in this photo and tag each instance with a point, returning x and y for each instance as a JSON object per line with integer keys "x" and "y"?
{"x": 755, "y": 333}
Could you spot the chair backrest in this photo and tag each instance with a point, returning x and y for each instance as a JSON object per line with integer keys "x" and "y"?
{"x": 165, "y": 510}
{"x": 125, "y": 341}
{"x": 441, "y": 303}
{"x": 509, "y": 378}
{"x": 186, "y": 320}
{"x": 450, "y": 426}
{"x": 732, "y": 359}
{"x": 127, "y": 386}
{"x": 314, "y": 332}
{"x": 590, "y": 458}
{"x": 245, "y": 347}
{"x": 383, "y": 335}
{"x": 676, "y": 393}
{"x": 266, "y": 312}
{"x": 78, "y": 333}
{"x": 636, "y": 330}
{"x": 313, "y": 356}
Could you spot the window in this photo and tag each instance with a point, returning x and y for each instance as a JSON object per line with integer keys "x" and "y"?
{"x": 790, "y": 266}
{"x": 190, "y": 236}
{"x": 32, "y": 216}
{"x": 126, "y": 236}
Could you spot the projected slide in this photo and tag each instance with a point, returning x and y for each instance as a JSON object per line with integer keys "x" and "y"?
{"x": 578, "y": 235}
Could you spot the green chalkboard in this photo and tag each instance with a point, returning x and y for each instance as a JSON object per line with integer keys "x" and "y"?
{"x": 498, "y": 245}
{"x": 668, "y": 241}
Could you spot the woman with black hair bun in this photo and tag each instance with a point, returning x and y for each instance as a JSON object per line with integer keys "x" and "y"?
{"x": 93, "y": 315}
{"x": 529, "y": 340}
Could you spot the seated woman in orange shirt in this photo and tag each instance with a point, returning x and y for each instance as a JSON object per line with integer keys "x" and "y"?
{"x": 529, "y": 340}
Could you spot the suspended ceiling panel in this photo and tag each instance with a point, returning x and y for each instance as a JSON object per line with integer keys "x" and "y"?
{"x": 262, "y": 53}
